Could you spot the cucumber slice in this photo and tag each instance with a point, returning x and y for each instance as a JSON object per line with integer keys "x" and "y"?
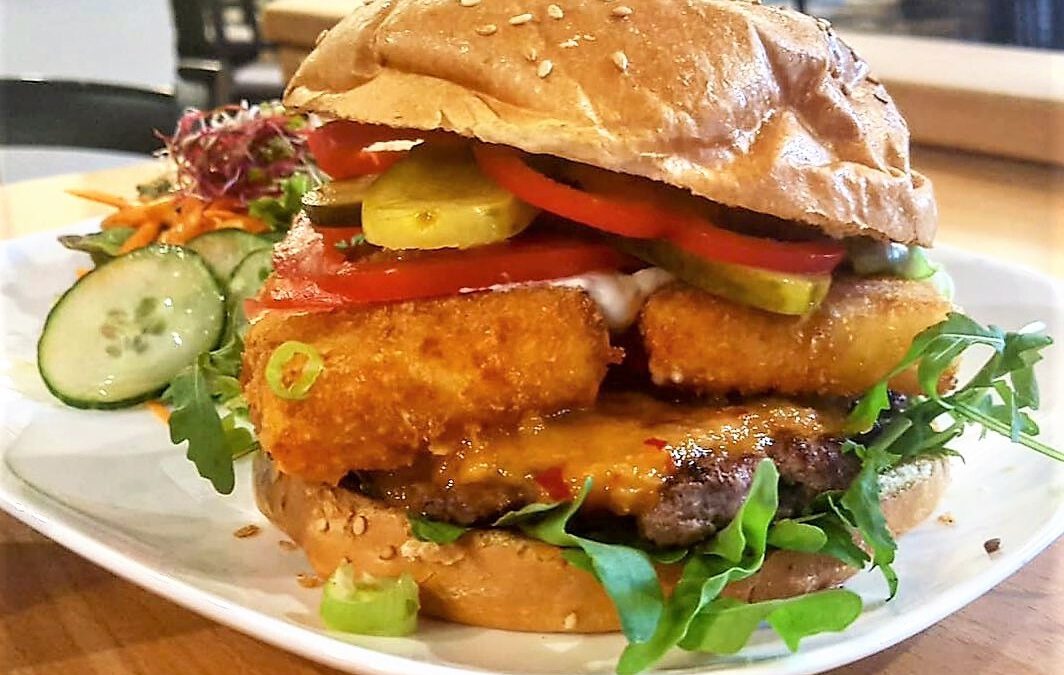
{"x": 778, "y": 292}
{"x": 123, "y": 331}
{"x": 338, "y": 202}
{"x": 223, "y": 250}
{"x": 245, "y": 283}
{"x": 438, "y": 198}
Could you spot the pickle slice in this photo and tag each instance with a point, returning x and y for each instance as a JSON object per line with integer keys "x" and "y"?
{"x": 338, "y": 202}
{"x": 438, "y": 198}
{"x": 778, "y": 292}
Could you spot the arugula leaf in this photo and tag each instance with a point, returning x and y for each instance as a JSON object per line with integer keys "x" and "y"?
{"x": 997, "y": 398}
{"x": 195, "y": 419}
{"x": 861, "y": 501}
{"x": 102, "y": 247}
{"x": 626, "y": 573}
{"x": 737, "y": 552}
{"x": 525, "y": 514}
{"x": 839, "y": 543}
{"x": 668, "y": 556}
{"x": 726, "y": 625}
{"x": 577, "y": 558}
{"x": 214, "y": 439}
{"x": 438, "y": 532}
{"x": 795, "y": 536}
{"x": 278, "y": 212}
{"x": 239, "y": 438}
{"x": 933, "y": 343}
{"x": 1007, "y": 375}
{"x": 227, "y": 359}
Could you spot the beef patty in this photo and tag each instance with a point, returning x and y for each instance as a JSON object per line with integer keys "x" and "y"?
{"x": 679, "y": 470}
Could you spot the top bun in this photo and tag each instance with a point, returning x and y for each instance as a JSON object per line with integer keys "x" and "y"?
{"x": 749, "y": 106}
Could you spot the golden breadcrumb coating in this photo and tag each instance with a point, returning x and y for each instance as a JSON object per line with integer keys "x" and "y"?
{"x": 698, "y": 342}
{"x": 399, "y": 376}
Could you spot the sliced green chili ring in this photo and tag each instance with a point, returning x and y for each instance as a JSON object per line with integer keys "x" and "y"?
{"x": 302, "y": 384}
{"x": 368, "y": 605}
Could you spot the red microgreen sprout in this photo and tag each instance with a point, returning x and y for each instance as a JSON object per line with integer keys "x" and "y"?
{"x": 239, "y": 152}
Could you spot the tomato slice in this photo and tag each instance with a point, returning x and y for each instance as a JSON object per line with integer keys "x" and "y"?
{"x": 644, "y": 219}
{"x": 308, "y": 252}
{"x": 629, "y": 219}
{"x": 339, "y": 147}
{"x": 433, "y": 274}
{"x": 796, "y": 257}
{"x": 451, "y": 272}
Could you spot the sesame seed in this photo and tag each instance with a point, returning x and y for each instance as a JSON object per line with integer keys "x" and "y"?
{"x": 532, "y": 55}
{"x": 621, "y": 11}
{"x": 358, "y": 525}
{"x": 946, "y": 519}
{"x": 469, "y": 3}
{"x": 287, "y": 545}
{"x": 589, "y": 38}
{"x": 569, "y": 622}
{"x": 308, "y": 580}
{"x": 321, "y": 36}
{"x": 571, "y": 42}
{"x": 485, "y": 30}
{"x": 246, "y": 531}
{"x": 620, "y": 59}
{"x": 388, "y": 553}
{"x": 555, "y": 12}
{"x": 321, "y": 525}
{"x": 521, "y": 19}
{"x": 545, "y": 67}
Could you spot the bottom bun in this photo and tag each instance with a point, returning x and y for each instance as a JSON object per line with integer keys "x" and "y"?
{"x": 487, "y": 578}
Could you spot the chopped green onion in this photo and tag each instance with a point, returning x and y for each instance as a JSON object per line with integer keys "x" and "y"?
{"x": 367, "y": 605}
{"x": 308, "y": 375}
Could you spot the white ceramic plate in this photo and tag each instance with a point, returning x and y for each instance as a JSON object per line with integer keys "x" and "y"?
{"x": 109, "y": 486}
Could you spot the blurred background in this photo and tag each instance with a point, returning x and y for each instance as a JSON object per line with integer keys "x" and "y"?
{"x": 206, "y": 52}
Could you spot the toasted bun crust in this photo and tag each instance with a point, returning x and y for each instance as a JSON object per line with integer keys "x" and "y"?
{"x": 483, "y": 579}
{"x": 747, "y": 105}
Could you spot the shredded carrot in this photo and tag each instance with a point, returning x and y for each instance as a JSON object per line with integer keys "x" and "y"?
{"x": 225, "y": 203}
{"x": 144, "y": 235}
{"x": 227, "y": 220}
{"x": 191, "y": 217}
{"x": 173, "y": 218}
{"x": 101, "y": 197}
{"x": 160, "y": 410}
{"x": 187, "y": 221}
{"x": 134, "y": 215}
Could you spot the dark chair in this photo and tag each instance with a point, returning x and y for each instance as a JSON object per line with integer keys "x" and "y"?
{"x": 209, "y": 55}
{"x": 84, "y": 115}
{"x": 1027, "y": 23}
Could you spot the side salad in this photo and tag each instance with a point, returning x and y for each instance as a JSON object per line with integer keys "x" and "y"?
{"x": 172, "y": 270}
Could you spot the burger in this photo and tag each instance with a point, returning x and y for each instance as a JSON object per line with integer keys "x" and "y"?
{"x": 608, "y": 317}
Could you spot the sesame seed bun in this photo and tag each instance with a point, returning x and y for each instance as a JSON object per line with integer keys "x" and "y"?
{"x": 747, "y": 105}
{"x": 483, "y": 578}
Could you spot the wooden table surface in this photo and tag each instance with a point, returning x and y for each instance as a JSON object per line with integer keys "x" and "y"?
{"x": 62, "y": 614}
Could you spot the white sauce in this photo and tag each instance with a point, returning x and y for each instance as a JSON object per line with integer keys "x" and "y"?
{"x": 619, "y": 296}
